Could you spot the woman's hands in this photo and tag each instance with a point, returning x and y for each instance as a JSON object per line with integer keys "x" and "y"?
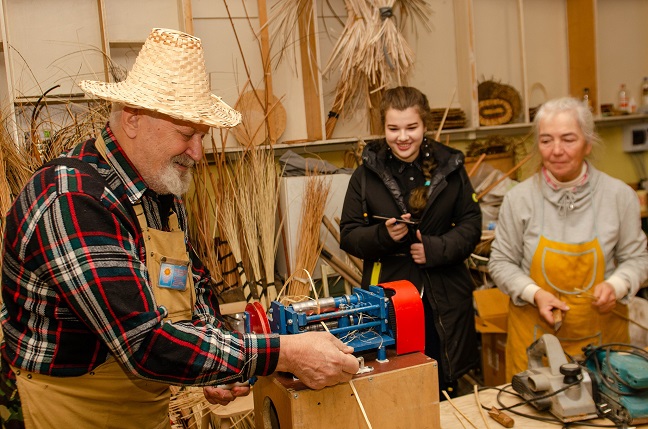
{"x": 417, "y": 251}
{"x": 603, "y": 301}
{"x": 546, "y": 302}
{"x": 397, "y": 230}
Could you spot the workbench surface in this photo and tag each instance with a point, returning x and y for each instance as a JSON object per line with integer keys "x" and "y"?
{"x": 468, "y": 406}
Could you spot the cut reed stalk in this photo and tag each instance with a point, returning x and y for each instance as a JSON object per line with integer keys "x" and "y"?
{"x": 248, "y": 215}
{"x": 316, "y": 193}
{"x": 266, "y": 198}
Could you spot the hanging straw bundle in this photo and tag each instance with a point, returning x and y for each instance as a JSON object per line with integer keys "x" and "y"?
{"x": 351, "y": 85}
{"x": 389, "y": 56}
{"x": 371, "y": 52}
{"x": 316, "y": 193}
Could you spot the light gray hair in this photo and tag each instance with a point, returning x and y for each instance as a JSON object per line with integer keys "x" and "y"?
{"x": 577, "y": 108}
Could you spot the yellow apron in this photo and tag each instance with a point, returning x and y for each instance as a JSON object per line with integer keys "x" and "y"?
{"x": 570, "y": 271}
{"x": 108, "y": 396}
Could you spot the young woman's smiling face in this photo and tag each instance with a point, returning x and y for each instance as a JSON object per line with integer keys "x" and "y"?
{"x": 404, "y": 132}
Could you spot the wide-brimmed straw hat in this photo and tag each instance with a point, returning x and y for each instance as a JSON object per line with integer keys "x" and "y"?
{"x": 169, "y": 76}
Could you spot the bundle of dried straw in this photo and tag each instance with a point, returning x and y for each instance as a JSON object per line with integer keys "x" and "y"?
{"x": 371, "y": 52}
{"x": 309, "y": 247}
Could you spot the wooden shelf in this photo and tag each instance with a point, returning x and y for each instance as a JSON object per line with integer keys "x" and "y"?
{"x": 126, "y": 43}
{"x": 458, "y": 134}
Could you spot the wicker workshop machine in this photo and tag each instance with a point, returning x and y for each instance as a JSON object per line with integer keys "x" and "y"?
{"x": 397, "y": 386}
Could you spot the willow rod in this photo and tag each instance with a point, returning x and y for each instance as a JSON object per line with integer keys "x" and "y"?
{"x": 340, "y": 266}
{"x": 501, "y": 179}
{"x": 445, "y": 115}
{"x": 336, "y": 234}
{"x": 477, "y": 164}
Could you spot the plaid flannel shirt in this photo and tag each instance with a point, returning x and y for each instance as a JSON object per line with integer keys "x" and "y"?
{"x": 75, "y": 287}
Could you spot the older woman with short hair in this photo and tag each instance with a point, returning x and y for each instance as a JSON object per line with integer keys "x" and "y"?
{"x": 568, "y": 240}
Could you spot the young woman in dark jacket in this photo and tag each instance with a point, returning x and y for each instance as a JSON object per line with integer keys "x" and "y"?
{"x": 407, "y": 176}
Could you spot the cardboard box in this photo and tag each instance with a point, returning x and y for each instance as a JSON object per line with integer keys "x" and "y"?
{"x": 490, "y": 322}
{"x": 401, "y": 393}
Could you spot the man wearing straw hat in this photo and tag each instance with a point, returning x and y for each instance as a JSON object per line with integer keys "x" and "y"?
{"x": 105, "y": 303}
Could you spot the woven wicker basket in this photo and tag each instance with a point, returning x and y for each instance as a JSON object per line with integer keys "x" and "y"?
{"x": 495, "y": 112}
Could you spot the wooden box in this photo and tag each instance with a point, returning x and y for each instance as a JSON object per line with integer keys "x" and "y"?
{"x": 492, "y": 307}
{"x": 400, "y": 393}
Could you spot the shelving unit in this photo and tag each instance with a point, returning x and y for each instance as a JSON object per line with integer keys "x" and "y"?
{"x": 543, "y": 48}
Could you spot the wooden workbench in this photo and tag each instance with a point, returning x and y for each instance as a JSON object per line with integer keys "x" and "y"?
{"x": 401, "y": 393}
{"x": 468, "y": 406}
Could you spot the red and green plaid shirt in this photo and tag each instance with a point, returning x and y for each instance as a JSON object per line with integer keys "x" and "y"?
{"x": 75, "y": 287}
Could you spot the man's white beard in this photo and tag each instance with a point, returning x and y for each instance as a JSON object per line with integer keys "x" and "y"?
{"x": 171, "y": 180}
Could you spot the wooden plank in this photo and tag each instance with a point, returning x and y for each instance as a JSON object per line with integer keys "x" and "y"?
{"x": 12, "y": 126}
{"x": 466, "y": 65}
{"x": 187, "y": 17}
{"x": 101, "y": 9}
{"x": 523, "y": 65}
{"x": 310, "y": 74}
{"x": 264, "y": 38}
{"x": 581, "y": 34}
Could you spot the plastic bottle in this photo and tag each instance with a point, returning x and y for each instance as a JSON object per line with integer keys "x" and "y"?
{"x": 644, "y": 92}
{"x": 586, "y": 99}
{"x": 623, "y": 99}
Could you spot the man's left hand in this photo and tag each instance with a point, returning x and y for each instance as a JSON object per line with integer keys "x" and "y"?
{"x": 216, "y": 395}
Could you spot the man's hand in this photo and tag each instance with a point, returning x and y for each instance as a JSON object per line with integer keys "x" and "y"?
{"x": 216, "y": 395}
{"x": 546, "y": 302}
{"x": 604, "y": 298}
{"x": 318, "y": 359}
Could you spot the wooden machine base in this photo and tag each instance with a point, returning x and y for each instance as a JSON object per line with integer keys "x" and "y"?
{"x": 400, "y": 393}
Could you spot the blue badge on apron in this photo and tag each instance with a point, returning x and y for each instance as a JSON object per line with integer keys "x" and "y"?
{"x": 173, "y": 275}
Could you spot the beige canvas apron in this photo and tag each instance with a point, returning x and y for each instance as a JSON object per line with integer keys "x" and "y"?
{"x": 109, "y": 397}
{"x": 569, "y": 271}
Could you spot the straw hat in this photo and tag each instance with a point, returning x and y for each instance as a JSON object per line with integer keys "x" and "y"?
{"x": 169, "y": 77}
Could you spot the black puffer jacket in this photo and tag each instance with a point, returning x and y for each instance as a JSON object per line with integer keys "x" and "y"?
{"x": 450, "y": 227}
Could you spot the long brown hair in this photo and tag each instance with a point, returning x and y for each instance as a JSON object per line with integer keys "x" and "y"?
{"x": 402, "y": 98}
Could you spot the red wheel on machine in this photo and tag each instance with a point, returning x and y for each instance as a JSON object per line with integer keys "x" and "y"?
{"x": 258, "y": 320}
